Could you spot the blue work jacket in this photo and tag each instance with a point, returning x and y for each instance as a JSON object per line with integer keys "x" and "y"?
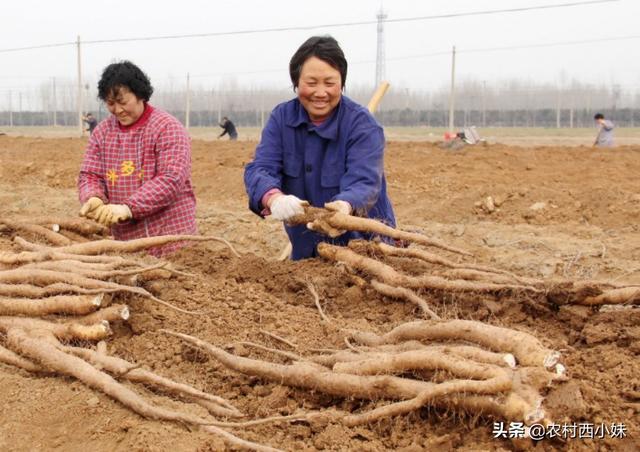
{"x": 340, "y": 159}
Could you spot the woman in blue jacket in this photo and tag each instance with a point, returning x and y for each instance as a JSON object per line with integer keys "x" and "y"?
{"x": 320, "y": 148}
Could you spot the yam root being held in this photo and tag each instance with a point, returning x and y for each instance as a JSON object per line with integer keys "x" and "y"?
{"x": 336, "y": 222}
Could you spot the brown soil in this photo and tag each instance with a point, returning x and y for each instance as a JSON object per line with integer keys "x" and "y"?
{"x": 584, "y": 225}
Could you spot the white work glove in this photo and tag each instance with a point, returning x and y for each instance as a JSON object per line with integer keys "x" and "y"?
{"x": 111, "y": 214}
{"x": 285, "y": 207}
{"x": 322, "y": 226}
{"x": 90, "y": 206}
{"x": 339, "y": 206}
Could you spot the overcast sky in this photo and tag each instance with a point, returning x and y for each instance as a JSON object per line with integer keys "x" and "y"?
{"x": 262, "y": 59}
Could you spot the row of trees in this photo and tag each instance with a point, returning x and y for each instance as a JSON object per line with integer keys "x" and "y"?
{"x": 406, "y": 117}
{"x": 510, "y": 103}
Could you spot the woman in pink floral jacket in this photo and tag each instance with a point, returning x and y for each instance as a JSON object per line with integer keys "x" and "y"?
{"x": 136, "y": 172}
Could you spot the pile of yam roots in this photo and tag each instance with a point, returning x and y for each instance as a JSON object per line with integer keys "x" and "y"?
{"x": 59, "y": 292}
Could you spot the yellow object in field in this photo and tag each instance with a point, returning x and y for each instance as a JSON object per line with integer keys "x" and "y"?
{"x": 377, "y": 97}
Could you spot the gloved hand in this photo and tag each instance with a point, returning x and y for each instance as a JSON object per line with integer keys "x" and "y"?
{"x": 285, "y": 207}
{"x": 110, "y": 214}
{"x": 90, "y": 206}
{"x": 339, "y": 206}
{"x": 322, "y": 225}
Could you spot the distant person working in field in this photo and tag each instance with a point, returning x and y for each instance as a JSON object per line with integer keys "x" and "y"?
{"x": 604, "y": 139}
{"x": 229, "y": 128}
{"x": 136, "y": 172}
{"x": 320, "y": 148}
{"x": 91, "y": 121}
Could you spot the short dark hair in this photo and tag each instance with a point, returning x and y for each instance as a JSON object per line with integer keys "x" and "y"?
{"x": 325, "y": 48}
{"x": 598, "y": 116}
{"x": 124, "y": 74}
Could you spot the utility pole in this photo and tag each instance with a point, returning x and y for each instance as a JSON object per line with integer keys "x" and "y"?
{"x": 484, "y": 103}
{"x": 558, "y": 110}
{"x": 55, "y": 106}
{"x": 187, "y": 109}
{"x": 262, "y": 110}
{"x": 79, "y": 94}
{"x": 10, "y": 109}
{"x": 452, "y": 94}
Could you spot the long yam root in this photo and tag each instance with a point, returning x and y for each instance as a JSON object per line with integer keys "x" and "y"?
{"x": 29, "y": 291}
{"x": 13, "y": 359}
{"x": 382, "y": 351}
{"x": 45, "y": 351}
{"x": 62, "y": 304}
{"x": 46, "y": 277}
{"x": 363, "y": 246}
{"x": 38, "y": 231}
{"x": 80, "y": 226}
{"x": 132, "y": 246}
{"x": 120, "y": 367}
{"x": 625, "y": 295}
{"x": 340, "y": 222}
{"x": 526, "y": 348}
{"x": 66, "y": 331}
{"x": 388, "y": 275}
{"x": 374, "y": 387}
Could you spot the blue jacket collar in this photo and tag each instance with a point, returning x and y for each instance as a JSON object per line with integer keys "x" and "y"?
{"x": 327, "y": 130}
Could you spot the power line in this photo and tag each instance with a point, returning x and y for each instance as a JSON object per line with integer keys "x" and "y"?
{"x": 400, "y": 58}
{"x": 312, "y": 27}
{"x": 551, "y": 44}
{"x": 515, "y": 47}
{"x": 42, "y": 46}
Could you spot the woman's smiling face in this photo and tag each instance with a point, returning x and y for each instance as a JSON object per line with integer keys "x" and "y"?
{"x": 319, "y": 88}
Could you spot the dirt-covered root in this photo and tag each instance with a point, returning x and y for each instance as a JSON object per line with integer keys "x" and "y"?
{"x": 48, "y": 277}
{"x": 496, "y": 384}
{"x": 81, "y": 226}
{"x": 13, "y": 359}
{"x": 388, "y": 275}
{"x": 113, "y": 313}
{"x": 437, "y": 359}
{"x": 122, "y": 369}
{"x": 65, "y": 331}
{"x": 624, "y": 295}
{"x": 335, "y": 223}
{"x": 527, "y": 349}
{"x": 61, "y": 304}
{"x": 492, "y": 394}
{"x": 132, "y": 246}
{"x": 102, "y": 275}
{"x": 30, "y": 291}
{"x": 476, "y": 354}
{"x": 405, "y": 294}
{"x": 74, "y": 265}
{"x": 48, "y": 254}
{"x": 38, "y": 350}
{"x": 373, "y": 247}
{"x": 488, "y": 277}
{"x": 238, "y": 442}
{"x": 44, "y": 349}
{"x": 36, "y": 230}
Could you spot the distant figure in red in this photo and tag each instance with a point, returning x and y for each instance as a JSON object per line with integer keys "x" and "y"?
{"x": 136, "y": 172}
